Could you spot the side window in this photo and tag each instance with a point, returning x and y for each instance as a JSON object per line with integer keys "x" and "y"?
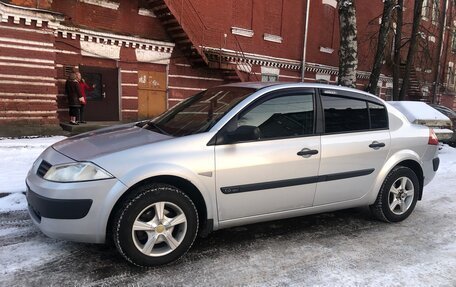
{"x": 378, "y": 116}
{"x": 344, "y": 115}
{"x": 285, "y": 116}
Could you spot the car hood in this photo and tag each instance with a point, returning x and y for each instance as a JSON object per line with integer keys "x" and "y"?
{"x": 108, "y": 140}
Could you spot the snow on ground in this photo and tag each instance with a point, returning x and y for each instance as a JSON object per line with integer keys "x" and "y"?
{"x": 16, "y": 158}
{"x": 13, "y": 202}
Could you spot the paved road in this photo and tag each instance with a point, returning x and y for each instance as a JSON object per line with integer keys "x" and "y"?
{"x": 345, "y": 248}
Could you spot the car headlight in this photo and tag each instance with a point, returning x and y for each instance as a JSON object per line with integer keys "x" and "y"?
{"x": 78, "y": 171}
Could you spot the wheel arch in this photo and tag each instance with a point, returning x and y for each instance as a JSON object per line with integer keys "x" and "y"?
{"x": 418, "y": 170}
{"x": 187, "y": 187}
{"x": 407, "y": 158}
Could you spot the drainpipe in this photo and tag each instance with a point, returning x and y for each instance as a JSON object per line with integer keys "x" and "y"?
{"x": 304, "y": 49}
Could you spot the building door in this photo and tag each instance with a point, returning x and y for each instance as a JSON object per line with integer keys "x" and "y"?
{"x": 103, "y": 101}
{"x": 152, "y": 99}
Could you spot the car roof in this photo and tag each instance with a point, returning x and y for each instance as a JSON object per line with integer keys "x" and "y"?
{"x": 260, "y": 85}
{"x": 283, "y": 85}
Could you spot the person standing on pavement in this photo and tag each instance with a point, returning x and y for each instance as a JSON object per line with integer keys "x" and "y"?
{"x": 83, "y": 87}
{"x": 73, "y": 93}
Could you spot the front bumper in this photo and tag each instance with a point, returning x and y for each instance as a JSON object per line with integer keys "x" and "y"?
{"x": 77, "y": 211}
{"x": 57, "y": 208}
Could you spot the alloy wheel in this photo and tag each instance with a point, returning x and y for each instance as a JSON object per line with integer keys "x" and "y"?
{"x": 400, "y": 196}
{"x": 159, "y": 229}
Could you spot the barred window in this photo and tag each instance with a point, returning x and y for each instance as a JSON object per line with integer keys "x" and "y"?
{"x": 425, "y": 10}
{"x": 436, "y": 10}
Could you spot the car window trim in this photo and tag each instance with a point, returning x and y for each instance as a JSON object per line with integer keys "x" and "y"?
{"x": 351, "y": 96}
{"x": 216, "y": 140}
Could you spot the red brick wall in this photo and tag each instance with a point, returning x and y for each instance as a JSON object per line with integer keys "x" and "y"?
{"x": 27, "y": 74}
{"x": 220, "y": 16}
{"x": 41, "y": 4}
{"x": 125, "y": 20}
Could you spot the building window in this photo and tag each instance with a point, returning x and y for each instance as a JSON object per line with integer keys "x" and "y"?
{"x": 388, "y": 94}
{"x": 435, "y": 10}
{"x": 67, "y": 70}
{"x": 425, "y": 10}
{"x": 451, "y": 78}
{"x": 269, "y": 78}
{"x": 453, "y": 42}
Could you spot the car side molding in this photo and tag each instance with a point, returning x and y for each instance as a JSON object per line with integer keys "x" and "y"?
{"x": 295, "y": 181}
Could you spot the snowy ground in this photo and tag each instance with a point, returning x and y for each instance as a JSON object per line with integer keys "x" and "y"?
{"x": 17, "y": 156}
{"x": 345, "y": 248}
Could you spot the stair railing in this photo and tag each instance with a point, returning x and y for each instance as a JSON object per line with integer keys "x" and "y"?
{"x": 190, "y": 21}
{"x": 243, "y": 62}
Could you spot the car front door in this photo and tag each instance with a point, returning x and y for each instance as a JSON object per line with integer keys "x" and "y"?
{"x": 354, "y": 146}
{"x": 276, "y": 172}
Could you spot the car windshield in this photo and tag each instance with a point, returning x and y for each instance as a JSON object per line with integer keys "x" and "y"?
{"x": 446, "y": 111}
{"x": 200, "y": 112}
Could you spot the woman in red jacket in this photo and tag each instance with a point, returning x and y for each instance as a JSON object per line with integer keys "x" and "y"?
{"x": 84, "y": 87}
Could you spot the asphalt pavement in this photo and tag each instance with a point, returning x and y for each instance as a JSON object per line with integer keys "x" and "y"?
{"x": 344, "y": 248}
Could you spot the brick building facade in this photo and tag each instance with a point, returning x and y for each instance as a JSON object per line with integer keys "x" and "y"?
{"x": 147, "y": 55}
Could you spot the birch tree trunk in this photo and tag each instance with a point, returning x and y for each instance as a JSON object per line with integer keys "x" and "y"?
{"x": 397, "y": 50}
{"x": 383, "y": 32}
{"x": 412, "y": 48}
{"x": 348, "y": 52}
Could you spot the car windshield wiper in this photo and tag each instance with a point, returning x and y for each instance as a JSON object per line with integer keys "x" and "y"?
{"x": 155, "y": 126}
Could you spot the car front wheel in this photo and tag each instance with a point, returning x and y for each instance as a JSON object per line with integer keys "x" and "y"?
{"x": 398, "y": 195}
{"x": 155, "y": 226}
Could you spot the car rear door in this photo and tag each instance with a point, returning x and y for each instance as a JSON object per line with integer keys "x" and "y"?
{"x": 354, "y": 145}
{"x": 277, "y": 172}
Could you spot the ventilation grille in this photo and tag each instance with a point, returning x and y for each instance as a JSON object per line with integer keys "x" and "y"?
{"x": 67, "y": 70}
{"x": 43, "y": 168}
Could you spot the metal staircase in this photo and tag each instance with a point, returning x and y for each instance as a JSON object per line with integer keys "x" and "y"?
{"x": 184, "y": 26}
{"x": 187, "y": 29}
{"x": 414, "y": 89}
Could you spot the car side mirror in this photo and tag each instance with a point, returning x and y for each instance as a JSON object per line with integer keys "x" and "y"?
{"x": 242, "y": 134}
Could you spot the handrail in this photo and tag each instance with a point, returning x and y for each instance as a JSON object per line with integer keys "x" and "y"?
{"x": 242, "y": 55}
{"x": 192, "y": 23}
{"x": 197, "y": 13}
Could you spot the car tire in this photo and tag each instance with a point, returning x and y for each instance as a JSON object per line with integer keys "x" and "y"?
{"x": 156, "y": 225}
{"x": 397, "y": 196}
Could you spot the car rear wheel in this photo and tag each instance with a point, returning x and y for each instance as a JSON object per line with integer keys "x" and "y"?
{"x": 155, "y": 226}
{"x": 398, "y": 195}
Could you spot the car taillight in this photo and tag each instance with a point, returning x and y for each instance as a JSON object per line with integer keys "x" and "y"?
{"x": 433, "y": 140}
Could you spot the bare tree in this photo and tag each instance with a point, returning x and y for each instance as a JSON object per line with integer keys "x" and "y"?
{"x": 388, "y": 6}
{"x": 397, "y": 49}
{"x": 439, "y": 51}
{"x": 348, "y": 53}
{"x": 412, "y": 47}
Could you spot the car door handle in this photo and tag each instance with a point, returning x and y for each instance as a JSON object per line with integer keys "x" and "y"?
{"x": 376, "y": 145}
{"x": 305, "y": 152}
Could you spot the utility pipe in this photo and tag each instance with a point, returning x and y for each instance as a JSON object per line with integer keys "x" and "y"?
{"x": 304, "y": 50}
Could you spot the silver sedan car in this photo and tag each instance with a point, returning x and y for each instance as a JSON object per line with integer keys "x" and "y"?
{"x": 231, "y": 155}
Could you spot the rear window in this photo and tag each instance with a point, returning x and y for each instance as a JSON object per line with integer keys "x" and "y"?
{"x": 344, "y": 115}
{"x": 351, "y": 115}
{"x": 378, "y": 116}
